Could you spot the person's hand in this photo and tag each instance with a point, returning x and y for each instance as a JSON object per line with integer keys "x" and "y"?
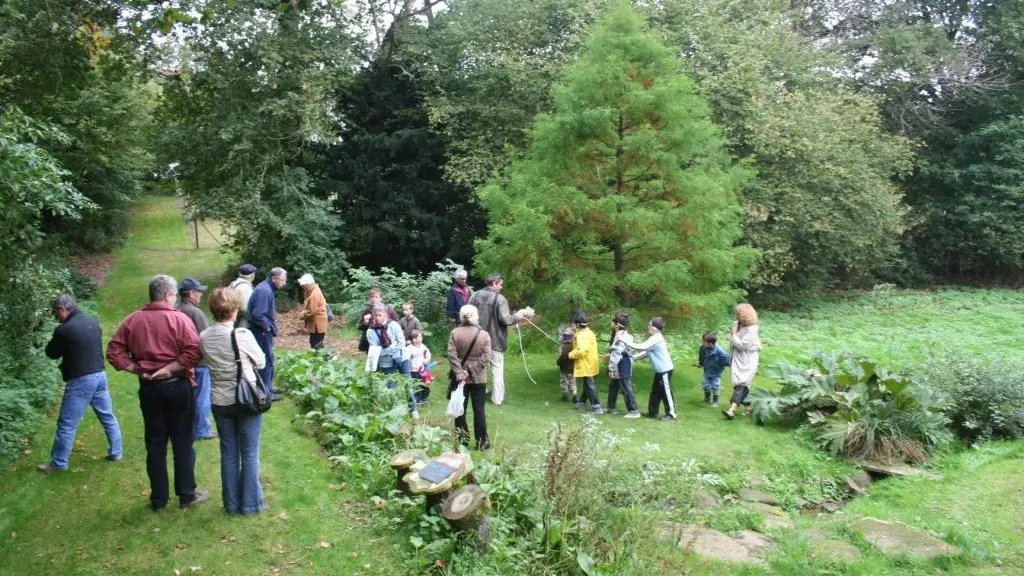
{"x": 161, "y": 374}
{"x": 366, "y": 318}
{"x": 735, "y": 326}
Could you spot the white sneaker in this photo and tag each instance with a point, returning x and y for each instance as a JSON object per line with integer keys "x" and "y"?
{"x": 415, "y": 414}
{"x": 597, "y": 410}
{"x": 632, "y": 415}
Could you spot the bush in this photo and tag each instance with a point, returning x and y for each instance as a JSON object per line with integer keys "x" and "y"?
{"x": 986, "y": 398}
{"x": 427, "y": 293}
{"x": 857, "y": 409}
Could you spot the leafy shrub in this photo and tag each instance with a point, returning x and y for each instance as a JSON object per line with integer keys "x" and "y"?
{"x": 427, "y": 293}
{"x": 986, "y": 398}
{"x": 858, "y": 410}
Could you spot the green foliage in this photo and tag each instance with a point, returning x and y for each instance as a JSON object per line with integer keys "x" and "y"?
{"x": 857, "y": 408}
{"x": 386, "y": 175}
{"x": 626, "y": 197}
{"x": 427, "y": 293}
{"x": 242, "y": 106}
{"x": 986, "y": 397}
{"x": 33, "y": 185}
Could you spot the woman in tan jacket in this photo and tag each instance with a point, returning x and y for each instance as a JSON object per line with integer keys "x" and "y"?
{"x": 469, "y": 354}
{"x": 314, "y": 312}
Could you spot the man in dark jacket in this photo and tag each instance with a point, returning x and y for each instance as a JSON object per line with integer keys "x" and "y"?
{"x": 263, "y": 321}
{"x": 78, "y": 343}
{"x": 191, "y": 293}
{"x": 458, "y": 296}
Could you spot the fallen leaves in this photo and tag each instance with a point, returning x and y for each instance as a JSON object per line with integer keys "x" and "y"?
{"x": 324, "y": 544}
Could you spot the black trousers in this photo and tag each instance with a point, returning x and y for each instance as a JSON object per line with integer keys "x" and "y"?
{"x": 476, "y": 393}
{"x": 316, "y": 341}
{"x": 167, "y": 412}
{"x": 590, "y": 391}
{"x": 661, "y": 393}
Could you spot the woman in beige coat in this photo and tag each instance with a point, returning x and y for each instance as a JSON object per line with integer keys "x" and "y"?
{"x": 314, "y": 312}
{"x": 469, "y": 354}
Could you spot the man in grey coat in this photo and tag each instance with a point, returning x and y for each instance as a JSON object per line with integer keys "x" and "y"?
{"x": 495, "y": 319}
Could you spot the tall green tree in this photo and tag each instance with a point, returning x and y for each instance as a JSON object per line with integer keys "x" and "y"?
{"x": 246, "y": 98}
{"x": 626, "y": 196}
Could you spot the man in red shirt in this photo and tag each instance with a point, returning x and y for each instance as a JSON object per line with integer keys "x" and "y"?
{"x": 160, "y": 344}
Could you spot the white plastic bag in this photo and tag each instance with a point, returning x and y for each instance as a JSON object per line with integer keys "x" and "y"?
{"x": 372, "y": 356}
{"x": 456, "y": 406}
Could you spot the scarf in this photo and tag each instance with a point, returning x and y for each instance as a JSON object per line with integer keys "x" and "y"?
{"x": 382, "y": 335}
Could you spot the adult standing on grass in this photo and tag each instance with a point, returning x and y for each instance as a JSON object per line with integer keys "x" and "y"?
{"x": 263, "y": 321}
{"x": 745, "y": 351}
{"x": 243, "y": 284}
{"x": 494, "y": 318}
{"x": 458, "y": 296}
{"x": 78, "y": 343}
{"x": 469, "y": 354}
{"x": 160, "y": 345}
{"x": 239, "y": 428}
{"x": 314, "y": 311}
{"x": 191, "y": 292}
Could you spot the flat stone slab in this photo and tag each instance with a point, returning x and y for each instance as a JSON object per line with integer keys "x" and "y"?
{"x": 895, "y": 539}
{"x": 753, "y": 495}
{"x": 744, "y": 548}
{"x": 897, "y": 470}
{"x": 704, "y": 501}
{"x": 775, "y": 518}
{"x": 823, "y": 545}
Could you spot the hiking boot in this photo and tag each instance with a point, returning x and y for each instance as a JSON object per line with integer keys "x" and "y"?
{"x": 200, "y": 497}
{"x": 632, "y": 415}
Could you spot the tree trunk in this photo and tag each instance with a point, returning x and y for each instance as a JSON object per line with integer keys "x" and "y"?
{"x": 467, "y": 507}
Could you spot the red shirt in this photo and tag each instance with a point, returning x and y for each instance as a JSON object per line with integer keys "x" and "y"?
{"x": 153, "y": 337}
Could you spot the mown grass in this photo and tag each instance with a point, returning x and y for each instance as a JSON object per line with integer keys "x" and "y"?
{"x": 94, "y": 519}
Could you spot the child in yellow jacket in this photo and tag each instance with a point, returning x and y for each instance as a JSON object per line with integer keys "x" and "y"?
{"x": 584, "y": 357}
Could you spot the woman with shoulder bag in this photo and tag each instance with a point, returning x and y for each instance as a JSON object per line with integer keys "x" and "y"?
{"x": 469, "y": 354}
{"x": 238, "y": 426}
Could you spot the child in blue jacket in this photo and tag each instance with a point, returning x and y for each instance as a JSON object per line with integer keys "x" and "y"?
{"x": 713, "y": 360}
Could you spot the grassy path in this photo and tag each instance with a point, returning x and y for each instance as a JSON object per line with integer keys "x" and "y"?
{"x": 95, "y": 520}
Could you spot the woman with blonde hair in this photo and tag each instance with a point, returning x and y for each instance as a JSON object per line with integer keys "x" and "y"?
{"x": 238, "y": 429}
{"x": 744, "y": 348}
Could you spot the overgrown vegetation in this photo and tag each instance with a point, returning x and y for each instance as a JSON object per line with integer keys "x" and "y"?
{"x": 857, "y": 408}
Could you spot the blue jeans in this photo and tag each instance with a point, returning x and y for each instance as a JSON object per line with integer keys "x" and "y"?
{"x": 404, "y": 368}
{"x": 240, "y": 460}
{"x": 201, "y": 427}
{"x": 266, "y": 342}
{"x": 88, "y": 390}
{"x": 711, "y": 383}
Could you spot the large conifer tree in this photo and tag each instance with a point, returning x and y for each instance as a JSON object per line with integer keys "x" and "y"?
{"x": 626, "y": 196}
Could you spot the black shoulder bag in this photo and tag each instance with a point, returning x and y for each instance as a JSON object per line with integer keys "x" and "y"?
{"x": 251, "y": 397}
{"x": 452, "y": 381}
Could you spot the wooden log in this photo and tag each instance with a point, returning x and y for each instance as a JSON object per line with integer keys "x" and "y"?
{"x": 402, "y": 462}
{"x": 467, "y": 507}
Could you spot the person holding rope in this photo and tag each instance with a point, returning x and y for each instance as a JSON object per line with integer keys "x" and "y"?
{"x": 495, "y": 319}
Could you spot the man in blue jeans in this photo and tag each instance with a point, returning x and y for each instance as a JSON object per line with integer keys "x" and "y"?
{"x": 78, "y": 343}
{"x": 191, "y": 293}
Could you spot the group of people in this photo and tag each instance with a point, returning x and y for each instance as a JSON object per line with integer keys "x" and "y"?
{"x": 578, "y": 364}
{"x": 188, "y": 370}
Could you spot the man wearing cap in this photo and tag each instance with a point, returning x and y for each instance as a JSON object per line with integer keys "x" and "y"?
{"x": 161, "y": 345}
{"x": 78, "y": 343}
{"x": 263, "y": 321}
{"x": 314, "y": 311}
{"x": 458, "y": 296}
{"x": 246, "y": 274}
{"x": 191, "y": 292}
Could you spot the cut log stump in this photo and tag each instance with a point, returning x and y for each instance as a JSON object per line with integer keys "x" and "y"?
{"x": 402, "y": 462}
{"x": 467, "y": 507}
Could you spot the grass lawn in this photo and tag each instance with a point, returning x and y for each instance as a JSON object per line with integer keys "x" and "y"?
{"x": 95, "y": 519}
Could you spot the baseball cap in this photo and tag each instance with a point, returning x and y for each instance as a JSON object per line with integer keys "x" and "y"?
{"x": 190, "y": 284}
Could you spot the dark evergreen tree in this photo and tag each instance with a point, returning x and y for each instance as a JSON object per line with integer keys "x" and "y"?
{"x": 386, "y": 178}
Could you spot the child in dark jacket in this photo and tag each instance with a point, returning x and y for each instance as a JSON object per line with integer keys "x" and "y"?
{"x": 566, "y": 365}
{"x": 713, "y": 360}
